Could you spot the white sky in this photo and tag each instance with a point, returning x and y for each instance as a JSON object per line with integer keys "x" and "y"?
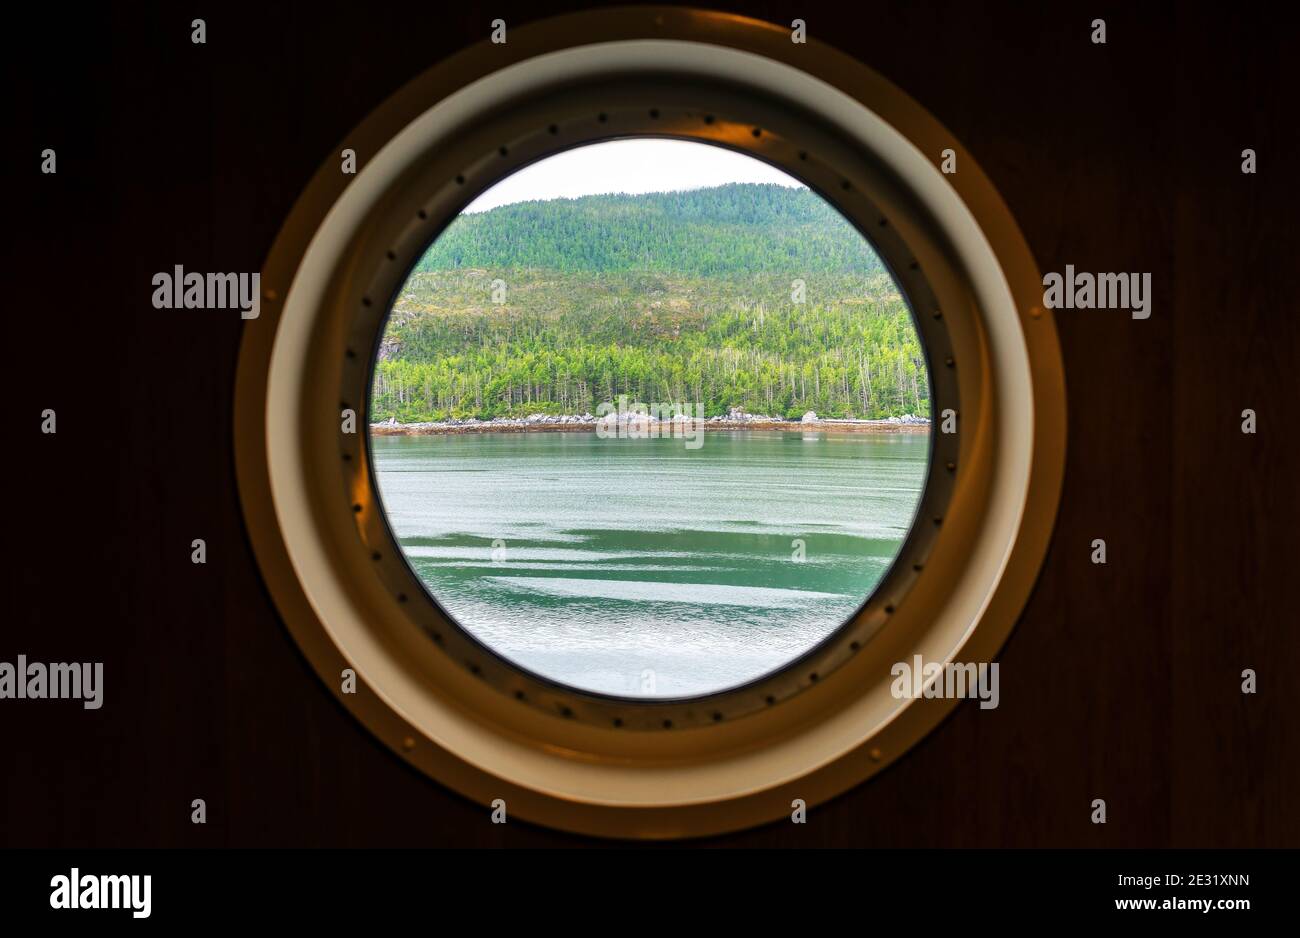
{"x": 633, "y": 166}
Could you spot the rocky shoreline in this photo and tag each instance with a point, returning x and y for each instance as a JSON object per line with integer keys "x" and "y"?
{"x": 588, "y": 422}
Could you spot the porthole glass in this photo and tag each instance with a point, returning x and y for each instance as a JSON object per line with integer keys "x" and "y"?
{"x": 650, "y": 418}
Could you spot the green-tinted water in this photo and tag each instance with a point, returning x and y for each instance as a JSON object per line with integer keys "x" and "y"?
{"x": 640, "y": 567}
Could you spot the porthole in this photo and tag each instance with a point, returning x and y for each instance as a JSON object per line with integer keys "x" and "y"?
{"x": 583, "y": 756}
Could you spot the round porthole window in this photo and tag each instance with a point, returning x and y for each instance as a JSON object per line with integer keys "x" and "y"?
{"x": 650, "y": 418}
{"x": 646, "y": 395}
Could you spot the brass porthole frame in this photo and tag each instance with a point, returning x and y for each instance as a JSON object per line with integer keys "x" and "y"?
{"x": 583, "y": 761}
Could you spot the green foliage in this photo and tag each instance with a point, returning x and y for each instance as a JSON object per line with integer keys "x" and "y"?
{"x": 671, "y": 297}
{"x": 738, "y": 228}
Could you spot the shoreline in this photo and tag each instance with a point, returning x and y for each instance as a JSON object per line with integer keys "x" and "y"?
{"x": 651, "y": 428}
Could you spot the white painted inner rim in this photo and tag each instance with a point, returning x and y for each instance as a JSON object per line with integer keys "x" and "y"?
{"x": 602, "y": 783}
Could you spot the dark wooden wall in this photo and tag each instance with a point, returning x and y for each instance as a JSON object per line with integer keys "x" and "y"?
{"x": 1121, "y": 681}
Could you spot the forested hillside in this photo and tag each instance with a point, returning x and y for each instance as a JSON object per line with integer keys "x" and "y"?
{"x": 665, "y": 297}
{"x": 739, "y": 228}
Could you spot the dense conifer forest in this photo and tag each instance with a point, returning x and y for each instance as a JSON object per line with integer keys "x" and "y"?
{"x": 555, "y": 307}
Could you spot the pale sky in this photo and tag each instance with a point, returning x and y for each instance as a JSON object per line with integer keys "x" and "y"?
{"x": 633, "y": 166}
